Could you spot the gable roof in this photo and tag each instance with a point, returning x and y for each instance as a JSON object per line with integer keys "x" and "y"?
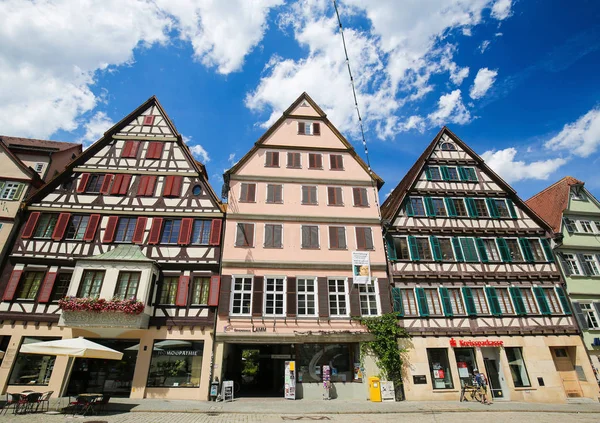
{"x": 322, "y": 117}
{"x": 121, "y": 253}
{"x": 392, "y": 205}
{"x": 39, "y": 145}
{"x": 35, "y": 177}
{"x": 551, "y": 202}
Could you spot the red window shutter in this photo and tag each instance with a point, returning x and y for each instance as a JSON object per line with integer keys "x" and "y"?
{"x": 176, "y": 189}
{"x": 126, "y": 149}
{"x": 130, "y": 149}
{"x": 185, "y": 232}
{"x": 213, "y": 293}
{"x": 182, "y": 290}
{"x": 168, "y": 186}
{"x": 111, "y": 228}
{"x": 11, "y": 288}
{"x": 46, "y": 288}
{"x": 83, "y": 182}
{"x": 90, "y": 231}
{"x": 140, "y": 228}
{"x": 61, "y": 226}
{"x": 117, "y": 184}
{"x": 316, "y": 128}
{"x": 142, "y": 186}
{"x": 155, "y": 150}
{"x": 106, "y": 183}
{"x": 135, "y": 145}
{"x": 150, "y": 187}
{"x": 215, "y": 232}
{"x": 125, "y": 184}
{"x": 30, "y": 225}
{"x": 155, "y": 230}
{"x": 148, "y": 120}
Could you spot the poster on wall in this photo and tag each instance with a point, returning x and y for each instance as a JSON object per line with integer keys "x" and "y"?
{"x": 387, "y": 391}
{"x": 361, "y": 267}
{"x": 463, "y": 370}
{"x": 290, "y": 380}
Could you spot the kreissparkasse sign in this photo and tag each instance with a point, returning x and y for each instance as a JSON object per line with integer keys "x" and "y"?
{"x": 484, "y": 343}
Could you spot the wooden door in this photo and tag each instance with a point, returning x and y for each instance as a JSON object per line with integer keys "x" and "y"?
{"x": 567, "y": 372}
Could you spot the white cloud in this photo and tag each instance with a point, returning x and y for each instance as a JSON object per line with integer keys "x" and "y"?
{"x": 484, "y": 79}
{"x": 95, "y": 128}
{"x": 581, "y": 137}
{"x": 501, "y": 9}
{"x": 231, "y": 159}
{"x": 484, "y": 45}
{"x": 450, "y": 110}
{"x": 199, "y": 153}
{"x": 503, "y": 162}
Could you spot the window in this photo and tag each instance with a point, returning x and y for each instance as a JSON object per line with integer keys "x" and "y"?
{"x": 368, "y": 300}
{"x": 200, "y": 290}
{"x": 274, "y": 296}
{"x": 552, "y": 300}
{"x": 448, "y": 146}
{"x": 504, "y": 301}
{"x": 458, "y": 307}
{"x": 248, "y": 193}
{"x": 272, "y": 159}
{"x": 45, "y": 225}
{"x": 337, "y": 297}
{"x": 536, "y": 250}
{"x": 364, "y": 239}
{"x": 470, "y": 174}
{"x": 592, "y": 264}
{"x": 434, "y": 172}
{"x": 423, "y": 248}
{"x": 441, "y": 377}
{"x": 502, "y": 208}
{"x": 308, "y": 128}
{"x": 176, "y": 364}
{"x": 315, "y": 161}
{"x": 360, "y": 197}
{"x": 307, "y": 296}
{"x": 90, "y": 284}
{"x": 39, "y": 167}
{"x": 340, "y": 357}
{"x": 469, "y": 250}
{"x": 197, "y": 190}
{"x": 529, "y": 301}
{"x": 32, "y": 369}
{"x": 514, "y": 249}
{"x": 274, "y": 194}
{"x": 453, "y": 174}
{"x": 481, "y": 207}
{"x": 597, "y": 224}
{"x": 459, "y": 205}
{"x": 94, "y": 184}
{"x": 168, "y": 293}
{"x": 241, "y": 295}
{"x": 10, "y": 190}
{"x": 126, "y": 227}
{"x": 481, "y": 306}
{"x": 309, "y": 195}
{"x": 586, "y": 226}
{"x": 201, "y": 232}
{"x": 77, "y": 226}
{"x": 409, "y": 304}
{"x": 244, "y": 236}
{"x": 61, "y": 286}
{"x": 401, "y": 247}
{"x": 336, "y": 162}
{"x": 417, "y": 206}
{"x": 577, "y": 194}
{"x": 446, "y": 248}
{"x": 337, "y": 238}
{"x": 589, "y": 315}
{"x": 334, "y": 196}
{"x": 273, "y": 236}
{"x": 294, "y": 160}
{"x": 491, "y": 250}
{"x": 571, "y": 263}
{"x": 516, "y": 364}
{"x": 127, "y": 285}
{"x": 30, "y": 285}
{"x": 439, "y": 207}
{"x": 310, "y": 236}
{"x": 433, "y": 302}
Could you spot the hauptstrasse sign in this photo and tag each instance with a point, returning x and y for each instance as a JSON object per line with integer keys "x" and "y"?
{"x": 485, "y": 343}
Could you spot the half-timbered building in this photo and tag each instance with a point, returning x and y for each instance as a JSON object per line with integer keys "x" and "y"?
{"x": 133, "y": 226}
{"x": 476, "y": 285}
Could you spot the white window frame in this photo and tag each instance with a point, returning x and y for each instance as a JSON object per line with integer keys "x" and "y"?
{"x": 453, "y": 304}
{"x": 345, "y": 238}
{"x": 439, "y": 172}
{"x": 366, "y": 196}
{"x": 265, "y": 235}
{"x": 337, "y": 294}
{"x": 592, "y": 263}
{"x": 336, "y": 154}
{"x": 428, "y": 242}
{"x": 318, "y": 237}
{"x": 233, "y": 278}
{"x": 498, "y": 255}
{"x": 10, "y": 188}
{"x": 372, "y": 238}
{"x": 287, "y": 163}
{"x": 443, "y": 206}
{"x": 485, "y": 300}
{"x": 484, "y": 205}
{"x": 275, "y": 293}
{"x": 457, "y": 174}
{"x": 342, "y": 194}
{"x": 449, "y": 239}
{"x": 253, "y": 235}
{"x": 575, "y": 269}
{"x": 587, "y": 311}
{"x": 39, "y": 167}
{"x": 316, "y": 187}
{"x": 464, "y": 204}
{"x": 510, "y": 300}
{"x": 308, "y": 126}
{"x": 583, "y": 228}
{"x": 279, "y": 158}
{"x": 267, "y": 194}
{"x": 255, "y": 192}
{"x": 518, "y": 244}
{"x": 375, "y": 285}
{"x": 422, "y": 201}
{"x": 305, "y": 293}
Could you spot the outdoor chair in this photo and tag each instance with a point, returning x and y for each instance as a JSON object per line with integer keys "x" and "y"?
{"x": 14, "y": 401}
{"x": 101, "y": 403}
{"x": 44, "y": 399}
{"x": 31, "y": 400}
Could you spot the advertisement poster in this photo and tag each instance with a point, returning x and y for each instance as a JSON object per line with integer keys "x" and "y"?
{"x": 387, "y": 391}
{"x": 326, "y": 381}
{"x": 463, "y": 371}
{"x": 290, "y": 380}
{"x": 361, "y": 267}
{"x": 357, "y": 371}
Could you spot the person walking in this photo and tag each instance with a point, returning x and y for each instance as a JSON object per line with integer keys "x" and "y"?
{"x": 482, "y": 383}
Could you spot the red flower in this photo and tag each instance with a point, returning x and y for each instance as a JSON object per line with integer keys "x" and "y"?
{"x": 99, "y": 305}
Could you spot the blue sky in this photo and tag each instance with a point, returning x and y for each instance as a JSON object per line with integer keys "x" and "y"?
{"x": 516, "y": 80}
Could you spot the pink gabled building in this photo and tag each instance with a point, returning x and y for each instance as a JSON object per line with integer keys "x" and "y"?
{"x": 300, "y": 202}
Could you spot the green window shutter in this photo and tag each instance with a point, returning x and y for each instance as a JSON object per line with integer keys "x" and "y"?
{"x": 504, "y": 252}
{"x": 469, "y": 302}
{"x": 391, "y": 248}
{"x": 492, "y": 207}
{"x": 469, "y": 253}
{"x": 20, "y": 189}
{"x": 429, "y": 206}
{"x": 564, "y": 302}
{"x": 2, "y": 183}
{"x": 408, "y": 208}
{"x": 515, "y": 293}
{"x": 412, "y": 244}
{"x": 462, "y": 174}
{"x": 511, "y": 208}
{"x": 428, "y": 173}
{"x": 457, "y": 250}
{"x": 444, "y": 172}
{"x": 446, "y": 301}
{"x": 472, "y": 174}
{"x": 397, "y": 299}
{"x": 482, "y": 251}
{"x": 435, "y": 247}
{"x": 541, "y": 300}
{"x": 547, "y": 250}
{"x": 471, "y": 207}
{"x": 526, "y": 250}
{"x": 450, "y": 207}
{"x": 493, "y": 300}
{"x": 422, "y": 301}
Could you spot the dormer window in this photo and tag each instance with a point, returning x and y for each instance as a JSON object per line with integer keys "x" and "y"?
{"x": 577, "y": 194}
{"x": 448, "y": 146}
{"x": 309, "y": 128}
{"x": 39, "y": 167}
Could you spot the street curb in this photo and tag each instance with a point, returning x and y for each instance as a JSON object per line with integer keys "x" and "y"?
{"x": 220, "y": 412}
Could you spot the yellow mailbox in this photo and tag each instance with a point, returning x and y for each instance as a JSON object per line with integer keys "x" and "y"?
{"x": 374, "y": 389}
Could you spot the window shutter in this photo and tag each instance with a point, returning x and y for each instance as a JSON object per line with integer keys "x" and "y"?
{"x": 215, "y": 232}
{"x": 126, "y": 149}
{"x": 19, "y": 191}
{"x": 541, "y": 300}
{"x": 450, "y": 207}
{"x": 124, "y": 188}
{"x": 414, "y": 252}
{"x": 46, "y": 289}
{"x": 428, "y": 173}
{"x": 185, "y": 232}
{"x": 90, "y": 231}
{"x": 361, "y": 238}
{"x": 11, "y": 287}
{"x": 142, "y": 186}
{"x": 354, "y": 298}
{"x": 482, "y": 251}
{"x": 583, "y": 325}
{"x": 357, "y": 197}
{"x": 564, "y": 302}
{"x": 435, "y": 247}
{"x": 569, "y": 224}
{"x": 446, "y": 304}
{"x": 116, "y": 186}
{"x": 492, "y": 207}
{"x": 257, "y": 296}
{"x": 585, "y": 267}
{"x": 83, "y": 182}
{"x": 130, "y": 149}
{"x": 111, "y": 227}
{"x": 384, "y": 295}
{"x": 323, "y": 297}
{"x": 61, "y": 226}
{"x": 140, "y": 228}
{"x": 154, "y": 237}
{"x": 182, "y": 291}
{"x": 422, "y": 302}
{"x": 213, "y": 293}
{"x": 106, "y": 183}
{"x": 316, "y": 128}
{"x": 155, "y": 150}
{"x": 517, "y": 298}
{"x": 397, "y": 302}
{"x": 301, "y": 128}
{"x": 548, "y": 250}
{"x": 504, "y": 251}
{"x": 169, "y": 186}
{"x": 224, "y": 296}
{"x": 176, "y": 188}
{"x": 493, "y": 300}
{"x": 524, "y": 242}
{"x": 462, "y": 174}
{"x": 249, "y": 231}
{"x": 30, "y": 225}
{"x": 408, "y": 208}
{"x": 471, "y": 207}
{"x": 469, "y": 302}
{"x": 148, "y": 120}
{"x": 445, "y": 173}
{"x": 429, "y": 206}
{"x": 291, "y": 297}
{"x": 391, "y": 248}
{"x": 563, "y": 262}
{"x": 511, "y": 208}
{"x": 460, "y": 257}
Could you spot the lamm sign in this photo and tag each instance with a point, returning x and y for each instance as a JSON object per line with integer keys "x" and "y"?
{"x": 486, "y": 343}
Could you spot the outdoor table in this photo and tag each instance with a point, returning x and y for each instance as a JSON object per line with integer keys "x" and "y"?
{"x": 90, "y": 399}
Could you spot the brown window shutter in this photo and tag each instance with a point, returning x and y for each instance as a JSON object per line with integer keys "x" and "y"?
{"x": 185, "y": 231}
{"x": 182, "y": 291}
{"x": 111, "y": 228}
{"x": 249, "y": 230}
{"x": 275, "y": 159}
{"x": 384, "y": 296}
{"x": 143, "y": 186}
{"x": 61, "y": 226}
{"x": 251, "y": 193}
{"x": 150, "y": 150}
{"x": 257, "y": 296}
{"x": 224, "y": 295}
{"x": 311, "y": 161}
{"x": 11, "y": 288}
{"x": 90, "y": 231}
{"x": 83, "y": 182}
{"x": 331, "y": 196}
{"x": 168, "y": 186}
{"x": 361, "y": 242}
{"x": 30, "y": 225}
{"x": 46, "y": 288}
{"x": 125, "y": 184}
{"x": 354, "y": 299}
{"x": 356, "y": 195}
{"x": 106, "y": 183}
{"x": 301, "y": 128}
{"x": 177, "y": 183}
{"x": 291, "y": 296}
{"x": 316, "y": 128}
{"x": 140, "y": 229}
{"x": 333, "y": 237}
{"x": 244, "y": 192}
{"x": 319, "y": 161}
{"x": 213, "y": 293}
{"x": 154, "y": 237}
{"x": 323, "y": 294}
{"x": 116, "y": 186}
{"x": 215, "y": 232}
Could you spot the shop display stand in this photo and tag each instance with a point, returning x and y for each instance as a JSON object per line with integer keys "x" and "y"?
{"x": 326, "y": 382}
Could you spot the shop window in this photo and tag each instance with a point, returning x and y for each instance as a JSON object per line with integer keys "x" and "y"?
{"x": 126, "y": 227}
{"x": 170, "y": 232}
{"x": 307, "y": 296}
{"x": 465, "y": 362}
{"x": 517, "y": 367}
{"x": 200, "y": 290}
{"x": 61, "y": 286}
{"x": 458, "y": 307}
{"x": 201, "y": 232}
{"x": 343, "y": 360}
{"x": 368, "y": 300}
{"x": 32, "y": 369}
{"x": 45, "y": 225}
{"x": 77, "y": 226}
{"x": 309, "y": 195}
{"x": 337, "y": 297}
{"x": 30, "y": 285}
{"x": 514, "y": 250}
{"x": 440, "y": 370}
{"x": 241, "y": 295}
{"x": 127, "y": 285}
{"x": 274, "y": 296}
{"x": 176, "y": 364}
{"x": 91, "y": 283}
{"x": 504, "y": 301}
{"x": 481, "y": 208}
{"x": 168, "y": 292}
